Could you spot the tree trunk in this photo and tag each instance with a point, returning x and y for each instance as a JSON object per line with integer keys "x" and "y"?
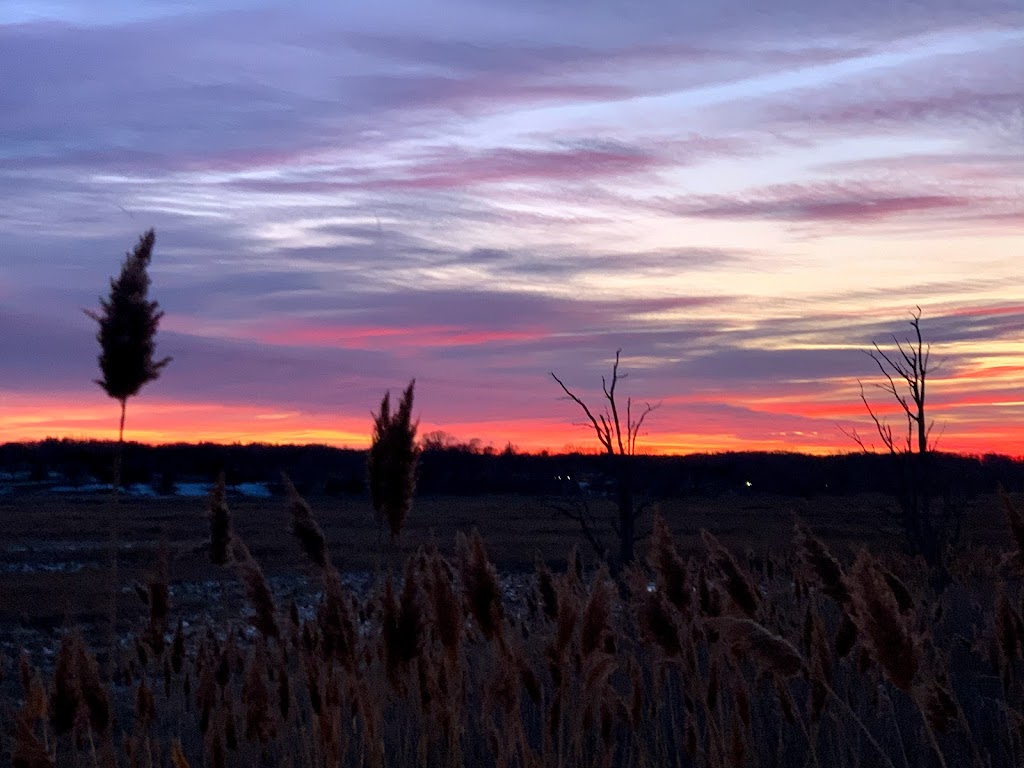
{"x": 627, "y": 521}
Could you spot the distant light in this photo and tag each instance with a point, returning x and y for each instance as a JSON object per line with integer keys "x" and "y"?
{"x": 749, "y": 483}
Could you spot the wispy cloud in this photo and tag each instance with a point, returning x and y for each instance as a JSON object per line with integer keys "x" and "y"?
{"x": 347, "y": 197}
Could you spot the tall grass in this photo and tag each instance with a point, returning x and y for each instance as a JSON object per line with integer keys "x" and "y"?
{"x": 700, "y": 660}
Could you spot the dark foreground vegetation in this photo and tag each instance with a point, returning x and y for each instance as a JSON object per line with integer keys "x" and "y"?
{"x": 702, "y": 654}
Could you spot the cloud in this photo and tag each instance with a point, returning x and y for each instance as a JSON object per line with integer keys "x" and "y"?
{"x": 820, "y": 203}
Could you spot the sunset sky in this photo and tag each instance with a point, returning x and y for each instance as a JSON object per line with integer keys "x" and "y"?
{"x": 740, "y": 194}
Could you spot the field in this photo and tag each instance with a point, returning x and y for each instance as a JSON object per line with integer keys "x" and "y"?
{"x": 751, "y": 646}
{"x": 54, "y": 548}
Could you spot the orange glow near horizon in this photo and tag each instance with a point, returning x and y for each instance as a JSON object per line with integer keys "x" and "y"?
{"x": 157, "y": 422}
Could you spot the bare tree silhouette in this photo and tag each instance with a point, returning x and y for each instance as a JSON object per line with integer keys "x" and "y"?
{"x": 617, "y": 433}
{"x": 905, "y": 369}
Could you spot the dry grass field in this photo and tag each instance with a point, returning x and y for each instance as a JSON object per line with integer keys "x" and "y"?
{"x": 54, "y": 547}
{"x": 322, "y": 644}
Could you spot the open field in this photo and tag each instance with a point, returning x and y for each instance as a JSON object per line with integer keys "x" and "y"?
{"x": 750, "y": 647}
{"x": 54, "y": 548}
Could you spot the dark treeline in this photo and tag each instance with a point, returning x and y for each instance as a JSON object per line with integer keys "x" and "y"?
{"x": 468, "y": 470}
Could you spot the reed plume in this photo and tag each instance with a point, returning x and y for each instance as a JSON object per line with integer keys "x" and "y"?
{"x": 178, "y": 759}
{"x": 257, "y": 589}
{"x": 305, "y": 528}
{"x": 65, "y": 696}
{"x": 596, "y": 630}
{"x": 220, "y": 523}
{"x": 823, "y": 565}
{"x": 668, "y": 566}
{"x": 884, "y": 630}
{"x": 94, "y": 694}
{"x": 737, "y": 583}
{"x": 771, "y": 652}
{"x": 447, "y": 616}
{"x": 128, "y": 323}
{"x": 159, "y": 602}
{"x": 1015, "y": 519}
{"x": 480, "y": 584}
{"x": 29, "y": 751}
{"x": 391, "y": 464}
{"x": 260, "y": 724}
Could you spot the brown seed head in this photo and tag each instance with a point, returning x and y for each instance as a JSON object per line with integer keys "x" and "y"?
{"x": 769, "y": 651}
{"x": 480, "y": 585}
{"x": 826, "y": 569}
{"x": 304, "y": 526}
{"x": 885, "y": 632}
{"x": 669, "y": 567}
{"x": 220, "y": 523}
{"x": 737, "y": 583}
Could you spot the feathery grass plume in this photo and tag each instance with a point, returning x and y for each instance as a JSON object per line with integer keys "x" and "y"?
{"x": 658, "y": 623}
{"x": 480, "y": 584}
{"x": 305, "y": 527}
{"x": 260, "y": 724}
{"x": 1008, "y": 641}
{"x": 546, "y": 589}
{"x": 257, "y": 590}
{"x": 29, "y": 751}
{"x": 1015, "y": 519}
{"x": 333, "y": 614}
{"x": 145, "y": 705}
{"x": 822, "y": 564}
{"x": 335, "y": 620}
{"x": 65, "y": 696}
{"x": 391, "y": 464}
{"x": 769, "y": 651}
{"x": 883, "y": 629}
{"x": 215, "y": 754}
{"x": 737, "y": 742}
{"x": 128, "y": 323}
{"x": 284, "y": 693}
{"x": 94, "y": 693}
{"x": 596, "y": 631}
{"x": 400, "y": 622}
{"x": 668, "y": 566}
{"x": 846, "y": 636}
{"x": 178, "y": 648}
{"x": 33, "y": 689}
{"x": 159, "y": 602}
{"x": 220, "y": 523}
{"x": 938, "y": 703}
{"x": 178, "y": 759}
{"x": 904, "y": 599}
{"x": 447, "y": 618}
{"x": 737, "y": 583}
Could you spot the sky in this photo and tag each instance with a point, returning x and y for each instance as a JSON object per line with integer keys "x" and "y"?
{"x": 741, "y": 195}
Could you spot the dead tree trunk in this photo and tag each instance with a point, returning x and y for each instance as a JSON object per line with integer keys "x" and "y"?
{"x": 905, "y": 371}
{"x": 617, "y": 437}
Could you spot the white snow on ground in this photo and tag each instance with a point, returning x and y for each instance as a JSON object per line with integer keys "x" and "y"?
{"x": 192, "y": 490}
{"x": 255, "y": 490}
{"x": 187, "y": 490}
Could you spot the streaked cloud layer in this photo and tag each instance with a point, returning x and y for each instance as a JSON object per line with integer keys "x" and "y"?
{"x": 739, "y": 195}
